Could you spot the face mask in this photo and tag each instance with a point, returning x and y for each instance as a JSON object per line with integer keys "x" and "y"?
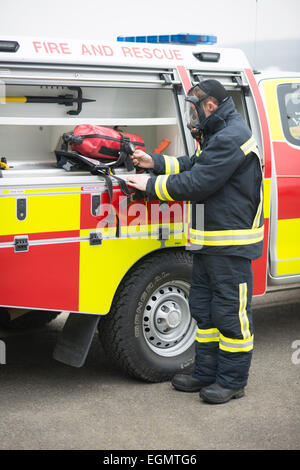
{"x": 194, "y": 112}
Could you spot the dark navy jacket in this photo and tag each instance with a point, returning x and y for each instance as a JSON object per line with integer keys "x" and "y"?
{"x": 225, "y": 176}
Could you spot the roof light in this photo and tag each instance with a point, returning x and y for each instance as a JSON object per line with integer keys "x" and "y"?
{"x": 182, "y": 38}
{"x": 9, "y": 46}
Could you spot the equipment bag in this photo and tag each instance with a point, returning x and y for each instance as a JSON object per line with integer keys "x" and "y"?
{"x": 83, "y": 157}
{"x": 108, "y": 145}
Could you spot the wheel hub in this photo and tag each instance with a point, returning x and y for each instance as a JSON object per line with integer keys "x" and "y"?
{"x": 167, "y": 325}
{"x": 168, "y": 316}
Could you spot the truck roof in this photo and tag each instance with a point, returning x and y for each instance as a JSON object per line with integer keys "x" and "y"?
{"x": 101, "y": 52}
{"x": 275, "y": 74}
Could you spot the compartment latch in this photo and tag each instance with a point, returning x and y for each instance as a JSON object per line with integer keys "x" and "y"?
{"x": 95, "y": 238}
{"x": 21, "y": 243}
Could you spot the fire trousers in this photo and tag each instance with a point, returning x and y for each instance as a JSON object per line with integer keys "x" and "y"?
{"x": 220, "y": 302}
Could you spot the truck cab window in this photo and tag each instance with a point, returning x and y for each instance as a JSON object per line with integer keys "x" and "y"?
{"x": 289, "y": 105}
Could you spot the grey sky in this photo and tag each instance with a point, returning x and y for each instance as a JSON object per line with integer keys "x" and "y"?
{"x": 234, "y": 22}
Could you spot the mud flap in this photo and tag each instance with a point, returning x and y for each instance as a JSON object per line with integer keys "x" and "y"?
{"x": 74, "y": 342}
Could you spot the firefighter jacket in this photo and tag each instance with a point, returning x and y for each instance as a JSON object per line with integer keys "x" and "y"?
{"x": 224, "y": 177}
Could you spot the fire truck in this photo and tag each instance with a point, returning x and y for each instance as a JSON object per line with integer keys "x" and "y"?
{"x": 129, "y": 280}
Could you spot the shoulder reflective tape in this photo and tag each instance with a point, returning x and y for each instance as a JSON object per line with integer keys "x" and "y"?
{"x": 207, "y": 335}
{"x": 171, "y": 165}
{"x": 227, "y": 237}
{"x": 161, "y": 188}
{"x": 250, "y": 146}
{"x": 243, "y": 311}
{"x": 235, "y": 345}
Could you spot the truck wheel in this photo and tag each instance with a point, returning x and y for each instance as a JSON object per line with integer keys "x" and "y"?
{"x": 30, "y": 319}
{"x": 149, "y": 332}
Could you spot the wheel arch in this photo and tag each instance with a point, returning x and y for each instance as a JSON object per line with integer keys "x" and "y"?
{"x": 138, "y": 263}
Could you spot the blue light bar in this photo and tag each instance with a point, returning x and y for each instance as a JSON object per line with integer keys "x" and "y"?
{"x": 182, "y": 38}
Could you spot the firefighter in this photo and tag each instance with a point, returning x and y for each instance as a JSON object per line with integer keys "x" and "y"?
{"x": 224, "y": 178}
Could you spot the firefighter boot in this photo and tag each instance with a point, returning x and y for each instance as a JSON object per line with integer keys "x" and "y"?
{"x": 187, "y": 383}
{"x": 216, "y": 394}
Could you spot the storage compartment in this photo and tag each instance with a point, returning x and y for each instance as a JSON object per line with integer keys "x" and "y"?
{"x": 30, "y": 131}
{"x": 53, "y": 232}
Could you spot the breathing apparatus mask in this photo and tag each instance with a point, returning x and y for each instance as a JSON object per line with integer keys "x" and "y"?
{"x": 194, "y": 111}
{"x": 195, "y": 115}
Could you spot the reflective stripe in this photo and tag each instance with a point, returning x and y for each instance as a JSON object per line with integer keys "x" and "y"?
{"x": 161, "y": 188}
{"x": 226, "y": 344}
{"x": 171, "y": 165}
{"x": 199, "y": 151}
{"x": 247, "y": 147}
{"x": 236, "y": 345}
{"x": 227, "y": 237}
{"x": 259, "y": 209}
{"x": 250, "y": 146}
{"x": 243, "y": 311}
{"x": 208, "y": 335}
{"x": 261, "y": 196}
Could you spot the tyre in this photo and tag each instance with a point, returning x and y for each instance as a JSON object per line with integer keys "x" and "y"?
{"x": 30, "y": 319}
{"x": 149, "y": 332}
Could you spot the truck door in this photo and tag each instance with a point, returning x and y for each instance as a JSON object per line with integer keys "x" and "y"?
{"x": 282, "y": 98}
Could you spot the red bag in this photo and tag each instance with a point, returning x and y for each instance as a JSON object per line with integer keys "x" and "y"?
{"x": 102, "y": 142}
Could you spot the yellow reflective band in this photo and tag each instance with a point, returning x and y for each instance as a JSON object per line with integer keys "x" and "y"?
{"x": 207, "y": 335}
{"x": 224, "y": 233}
{"x": 161, "y": 188}
{"x": 249, "y": 146}
{"x": 259, "y": 209}
{"x": 199, "y": 151}
{"x": 171, "y": 165}
{"x": 236, "y": 345}
{"x": 227, "y": 237}
{"x": 165, "y": 191}
{"x": 158, "y": 189}
{"x": 243, "y": 311}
